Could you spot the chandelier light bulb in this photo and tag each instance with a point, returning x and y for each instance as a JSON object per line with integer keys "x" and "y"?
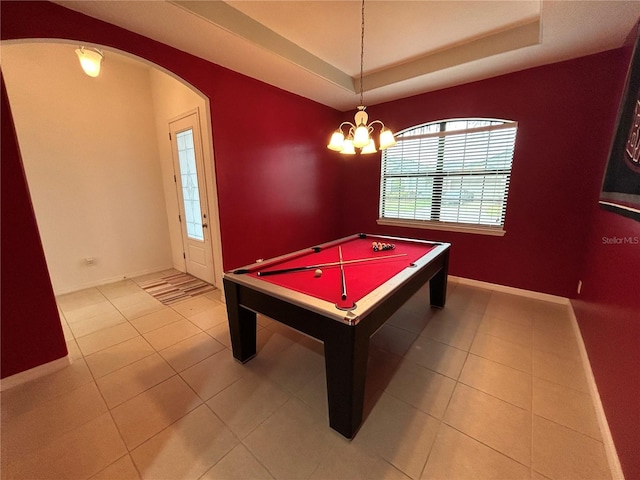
{"x": 386, "y": 139}
{"x": 347, "y": 147}
{"x": 361, "y": 136}
{"x": 369, "y": 148}
{"x": 337, "y": 139}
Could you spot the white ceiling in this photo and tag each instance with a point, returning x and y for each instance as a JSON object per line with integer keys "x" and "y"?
{"x": 312, "y": 48}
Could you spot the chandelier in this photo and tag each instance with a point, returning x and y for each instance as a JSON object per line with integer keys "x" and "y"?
{"x": 359, "y": 133}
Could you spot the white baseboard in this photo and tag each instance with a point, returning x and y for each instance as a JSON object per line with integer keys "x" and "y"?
{"x": 609, "y": 447}
{"x": 35, "y": 372}
{"x": 512, "y": 290}
{"x": 104, "y": 281}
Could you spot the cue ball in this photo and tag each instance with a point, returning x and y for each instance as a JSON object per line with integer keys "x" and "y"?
{"x": 318, "y": 272}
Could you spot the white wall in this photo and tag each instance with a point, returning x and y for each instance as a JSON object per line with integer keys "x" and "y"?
{"x": 170, "y": 100}
{"x": 91, "y": 157}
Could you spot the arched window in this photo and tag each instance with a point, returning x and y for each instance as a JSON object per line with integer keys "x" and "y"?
{"x": 449, "y": 175}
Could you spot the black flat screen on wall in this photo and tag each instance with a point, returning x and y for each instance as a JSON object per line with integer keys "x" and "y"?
{"x": 621, "y": 184}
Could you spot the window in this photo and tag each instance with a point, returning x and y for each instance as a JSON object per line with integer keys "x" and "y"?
{"x": 449, "y": 175}
{"x": 189, "y": 181}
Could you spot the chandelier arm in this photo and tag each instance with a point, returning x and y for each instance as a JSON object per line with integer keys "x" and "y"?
{"x": 376, "y": 121}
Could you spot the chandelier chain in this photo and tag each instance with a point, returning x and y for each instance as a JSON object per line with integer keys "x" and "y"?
{"x": 362, "y": 55}
{"x": 359, "y": 133}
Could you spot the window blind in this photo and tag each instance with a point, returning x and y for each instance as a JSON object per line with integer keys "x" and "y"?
{"x": 454, "y": 171}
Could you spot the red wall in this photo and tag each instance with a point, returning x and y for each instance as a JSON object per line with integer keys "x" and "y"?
{"x": 565, "y": 114}
{"x": 608, "y": 312}
{"x": 277, "y": 186}
{"x": 29, "y": 311}
{"x": 280, "y": 189}
{"x": 277, "y": 192}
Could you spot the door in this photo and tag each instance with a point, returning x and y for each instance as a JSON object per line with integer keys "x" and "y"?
{"x": 189, "y": 176}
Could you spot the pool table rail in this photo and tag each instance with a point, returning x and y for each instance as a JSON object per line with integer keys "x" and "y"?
{"x": 329, "y": 309}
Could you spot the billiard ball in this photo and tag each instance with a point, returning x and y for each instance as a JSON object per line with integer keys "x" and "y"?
{"x": 318, "y": 272}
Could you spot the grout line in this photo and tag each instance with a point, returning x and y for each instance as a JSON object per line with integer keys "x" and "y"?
{"x": 124, "y": 366}
{"x": 453, "y": 392}
{"x": 586, "y": 368}
{"x": 110, "y": 409}
{"x": 492, "y": 396}
{"x": 435, "y": 438}
{"x": 487, "y": 445}
{"x": 67, "y": 360}
{"x": 127, "y": 454}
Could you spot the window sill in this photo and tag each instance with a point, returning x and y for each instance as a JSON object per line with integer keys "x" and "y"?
{"x": 449, "y": 227}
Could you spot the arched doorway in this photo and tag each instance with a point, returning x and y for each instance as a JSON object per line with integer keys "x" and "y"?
{"x": 99, "y": 164}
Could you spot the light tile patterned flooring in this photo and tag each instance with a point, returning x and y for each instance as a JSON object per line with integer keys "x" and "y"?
{"x": 489, "y": 387}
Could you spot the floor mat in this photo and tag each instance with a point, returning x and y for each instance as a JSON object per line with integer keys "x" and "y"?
{"x": 173, "y": 288}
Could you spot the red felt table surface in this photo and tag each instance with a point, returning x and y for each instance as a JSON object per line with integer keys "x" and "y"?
{"x": 360, "y": 278}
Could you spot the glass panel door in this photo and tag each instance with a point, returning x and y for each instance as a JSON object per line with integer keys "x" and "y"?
{"x": 190, "y": 192}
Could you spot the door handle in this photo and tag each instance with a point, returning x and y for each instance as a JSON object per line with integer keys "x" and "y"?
{"x": 204, "y": 225}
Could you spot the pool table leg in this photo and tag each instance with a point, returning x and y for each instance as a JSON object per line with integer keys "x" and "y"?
{"x": 438, "y": 284}
{"x": 345, "y": 355}
{"x": 242, "y": 325}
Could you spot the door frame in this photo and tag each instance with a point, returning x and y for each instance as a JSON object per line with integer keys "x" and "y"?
{"x": 203, "y": 268}
{"x": 211, "y": 191}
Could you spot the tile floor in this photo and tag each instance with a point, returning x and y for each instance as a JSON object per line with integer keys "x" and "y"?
{"x": 490, "y": 387}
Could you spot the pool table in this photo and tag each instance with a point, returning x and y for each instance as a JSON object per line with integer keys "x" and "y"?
{"x": 290, "y": 290}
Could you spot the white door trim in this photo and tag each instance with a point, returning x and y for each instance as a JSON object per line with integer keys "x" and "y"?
{"x": 197, "y": 253}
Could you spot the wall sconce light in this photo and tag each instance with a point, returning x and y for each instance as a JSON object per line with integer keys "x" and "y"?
{"x": 90, "y": 60}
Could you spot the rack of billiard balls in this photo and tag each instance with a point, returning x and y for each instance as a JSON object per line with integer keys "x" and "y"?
{"x": 381, "y": 247}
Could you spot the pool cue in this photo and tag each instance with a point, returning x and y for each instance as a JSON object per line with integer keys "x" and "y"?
{"x": 324, "y": 265}
{"x": 343, "y": 282}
